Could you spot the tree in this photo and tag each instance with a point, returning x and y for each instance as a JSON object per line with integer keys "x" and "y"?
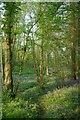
{"x": 79, "y": 40}
{"x": 10, "y": 11}
{"x": 41, "y": 47}
{"x": 73, "y": 42}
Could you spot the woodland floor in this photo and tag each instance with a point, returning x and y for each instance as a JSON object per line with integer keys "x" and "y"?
{"x": 58, "y": 99}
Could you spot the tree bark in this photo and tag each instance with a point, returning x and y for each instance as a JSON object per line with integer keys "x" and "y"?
{"x": 41, "y": 65}
{"x": 1, "y": 66}
{"x": 79, "y": 40}
{"x": 8, "y": 82}
{"x": 47, "y": 69}
{"x": 73, "y": 44}
{"x": 73, "y": 52}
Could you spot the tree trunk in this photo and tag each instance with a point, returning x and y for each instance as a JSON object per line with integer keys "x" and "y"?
{"x": 41, "y": 65}
{"x": 79, "y": 40}
{"x": 73, "y": 44}
{"x": 1, "y": 66}
{"x": 33, "y": 53}
{"x": 73, "y": 52}
{"x": 47, "y": 69}
{"x": 8, "y": 82}
{"x": 34, "y": 57}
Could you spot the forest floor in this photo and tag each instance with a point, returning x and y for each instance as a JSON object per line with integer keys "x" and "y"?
{"x": 58, "y": 99}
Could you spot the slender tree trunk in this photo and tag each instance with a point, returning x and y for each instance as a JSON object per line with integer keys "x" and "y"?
{"x": 79, "y": 40}
{"x": 73, "y": 45}
{"x": 33, "y": 52}
{"x": 73, "y": 52}
{"x": 34, "y": 57}
{"x": 41, "y": 45}
{"x": 47, "y": 69}
{"x": 3, "y": 74}
{"x": 1, "y": 65}
{"x": 41, "y": 65}
{"x": 1, "y": 71}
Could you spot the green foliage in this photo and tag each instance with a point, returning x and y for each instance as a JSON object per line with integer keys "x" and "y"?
{"x": 19, "y": 108}
{"x": 11, "y": 9}
{"x": 16, "y": 69}
{"x": 28, "y": 70}
{"x": 27, "y": 85}
{"x": 32, "y": 94}
{"x": 58, "y": 98}
{"x": 0, "y": 108}
{"x": 61, "y": 103}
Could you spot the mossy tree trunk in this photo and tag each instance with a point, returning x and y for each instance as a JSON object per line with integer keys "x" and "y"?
{"x": 9, "y": 20}
{"x": 8, "y": 82}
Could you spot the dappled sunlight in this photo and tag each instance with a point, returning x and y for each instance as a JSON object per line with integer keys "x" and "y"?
{"x": 19, "y": 108}
{"x": 39, "y": 57}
